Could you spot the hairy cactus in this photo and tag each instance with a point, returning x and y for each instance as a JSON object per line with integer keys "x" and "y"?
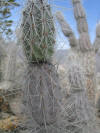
{"x": 38, "y": 31}
{"x": 2, "y": 55}
{"x": 97, "y": 40}
{"x": 41, "y": 82}
{"x": 79, "y": 114}
{"x": 10, "y": 67}
{"x": 41, "y": 91}
{"x": 82, "y": 47}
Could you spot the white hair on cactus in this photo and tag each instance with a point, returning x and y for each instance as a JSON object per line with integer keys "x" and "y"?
{"x": 76, "y": 78}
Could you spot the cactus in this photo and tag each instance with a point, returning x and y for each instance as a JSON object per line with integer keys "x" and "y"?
{"x": 77, "y": 114}
{"x": 80, "y": 103}
{"x": 2, "y": 55}
{"x": 80, "y": 115}
{"x": 42, "y": 98}
{"x": 41, "y": 81}
{"x": 85, "y": 51}
{"x": 10, "y": 67}
{"x": 97, "y": 40}
{"x": 38, "y": 31}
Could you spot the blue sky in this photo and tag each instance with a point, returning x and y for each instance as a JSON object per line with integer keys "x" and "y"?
{"x": 92, "y": 8}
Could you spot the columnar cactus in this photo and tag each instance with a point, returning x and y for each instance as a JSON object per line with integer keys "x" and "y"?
{"x": 79, "y": 113}
{"x": 2, "y": 55}
{"x": 82, "y": 47}
{"x": 41, "y": 82}
{"x": 10, "y": 63}
{"x": 97, "y": 40}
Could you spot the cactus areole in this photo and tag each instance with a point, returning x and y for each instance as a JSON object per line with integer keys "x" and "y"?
{"x": 38, "y": 32}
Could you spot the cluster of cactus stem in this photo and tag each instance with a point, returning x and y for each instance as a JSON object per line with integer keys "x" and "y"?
{"x": 85, "y": 51}
{"x": 42, "y": 87}
{"x": 81, "y": 92}
{"x": 38, "y": 31}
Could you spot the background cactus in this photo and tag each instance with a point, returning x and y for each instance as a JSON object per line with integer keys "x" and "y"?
{"x": 85, "y": 51}
{"x": 80, "y": 114}
{"x": 2, "y": 55}
{"x": 10, "y": 61}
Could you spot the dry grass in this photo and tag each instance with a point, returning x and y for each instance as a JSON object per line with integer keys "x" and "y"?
{"x": 10, "y": 123}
